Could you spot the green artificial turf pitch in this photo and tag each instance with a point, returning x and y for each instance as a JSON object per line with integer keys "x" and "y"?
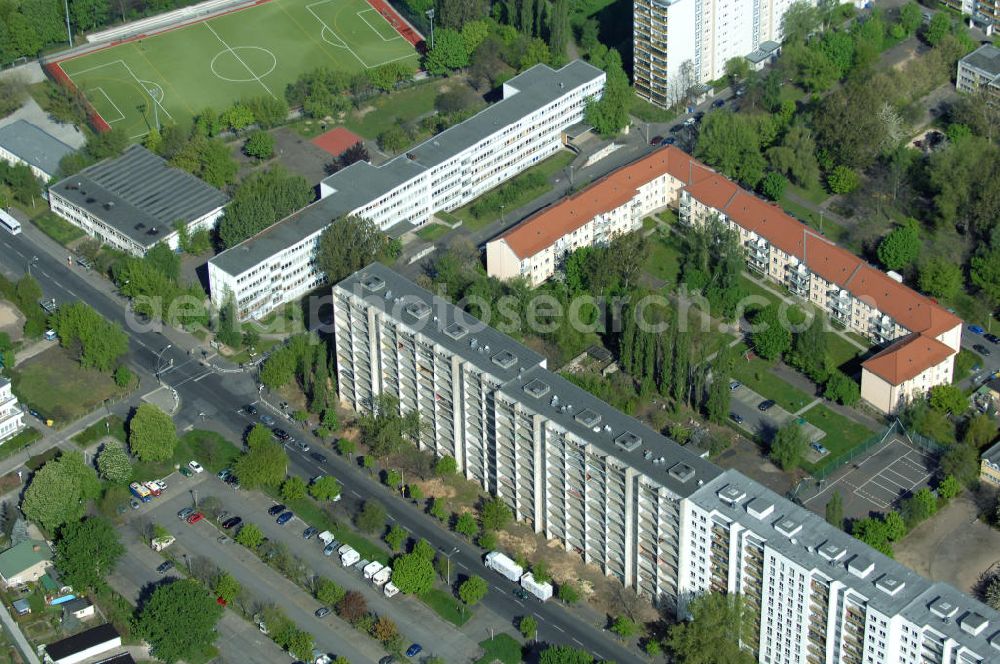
{"x": 247, "y": 53}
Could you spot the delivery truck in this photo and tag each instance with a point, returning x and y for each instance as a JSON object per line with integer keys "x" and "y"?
{"x": 542, "y": 591}
{"x": 501, "y": 563}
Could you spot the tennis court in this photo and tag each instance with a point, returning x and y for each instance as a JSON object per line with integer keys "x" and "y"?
{"x": 172, "y": 76}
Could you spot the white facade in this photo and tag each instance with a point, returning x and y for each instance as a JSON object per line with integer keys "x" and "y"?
{"x": 443, "y": 173}
{"x": 11, "y": 415}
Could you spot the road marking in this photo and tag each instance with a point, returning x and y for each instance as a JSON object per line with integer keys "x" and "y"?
{"x": 204, "y": 375}
{"x": 45, "y": 274}
{"x": 355, "y": 493}
{"x": 498, "y": 589}
{"x": 518, "y": 602}
{"x": 557, "y": 627}
{"x": 576, "y": 641}
{"x": 462, "y": 566}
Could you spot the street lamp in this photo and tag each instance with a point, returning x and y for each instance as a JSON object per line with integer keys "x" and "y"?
{"x": 447, "y": 575}
{"x": 32, "y": 262}
{"x": 430, "y": 15}
{"x": 159, "y": 360}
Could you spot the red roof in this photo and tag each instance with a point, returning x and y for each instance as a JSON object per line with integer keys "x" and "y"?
{"x": 908, "y": 358}
{"x": 336, "y": 141}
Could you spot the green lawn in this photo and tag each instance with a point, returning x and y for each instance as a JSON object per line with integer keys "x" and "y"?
{"x": 503, "y": 648}
{"x": 210, "y": 449}
{"x": 54, "y": 384}
{"x": 842, "y": 433}
{"x": 112, "y": 425}
{"x": 17, "y": 443}
{"x": 432, "y": 232}
{"x": 829, "y": 229}
{"x": 262, "y": 346}
{"x": 840, "y": 350}
{"x": 447, "y": 606}
{"x": 58, "y": 229}
{"x": 664, "y": 260}
{"x": 390, "y": 110}
{"x": 814, "y": 194}
{"x": 547, "y": 169}
{"x": 964, "y": 361}
{"x": 256, "y": 51}
{"x": 755, "y": 374}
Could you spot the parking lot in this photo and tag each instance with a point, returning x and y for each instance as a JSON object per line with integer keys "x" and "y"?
{"x": 877, "y": 482}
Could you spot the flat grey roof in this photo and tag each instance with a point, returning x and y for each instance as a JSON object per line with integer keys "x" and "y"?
{"x": 912, "y": 600}
{"x": 992, "y": 454}
{"x": 445, "y": 324}
{"x": 661, "y": 459}
{"x": 34, "y": 145}
{"x": 140, "y": 195}
{"x": 361, "y": 183}
{"x": 986, "y": 58}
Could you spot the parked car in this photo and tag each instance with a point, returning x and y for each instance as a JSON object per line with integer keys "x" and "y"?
{"x": 275, "y": 510}
{"x": 330, "y": 548}
{"x": 975, "y": 329}
{"x": 280, "y": 434}
{"x": 521, "y": 593}
{"x": 669, "y": 140}
{"x": 309, "y": 532}
{"x": 718, "y": 103}
{"x": 185, "y": 513}
{"x": 134, "y": 504}
{"x": 160, "y": 484}
{"x": 185, "y": 471}
{"x": 735, "y": 384}
{"x": 414, "y": 650}
{"x": 982, "y": 350}
{"x": 320, "y": 458}
{"x": 195, "y": 466}
{"x": 819, "y": 448}
{"x": 676, "y": 128}
{"x": 222, "y": 539}
{"x": 302, "y": 445}
{"x": 992, "y": 338}
{"x": 656, "y": 140}
{"x": 165, "y": 566}
{"x": 267, "y": 419}
{"x": 250, "y": 409}
{"x": 229, "y": 524}
{"x": 765, "y": 405}
{"x": 322, "y": 612}
{"x": 222, "y": 516}
{"x": 284, "y": 518}
{"x": 195, "y": 518}
{"x": 736, "y": 417}
{"x": 224, "y": 474}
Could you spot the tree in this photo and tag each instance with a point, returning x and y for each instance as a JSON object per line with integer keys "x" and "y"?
{"x": 949, "y": 487}
{"x": 473, "y": 590}
{"x": 624, "y": 627}
{"x": 609, "y": 114}
{"x": 938, "y": 28}
{"x": 940, "y": 277}
{"x": 565, "y": 655}
{"x": 396, "y": 538}
{"x": 87, "y": 552}
{"x": 992, "y": 594}
{"x": 731, "y": 143}
{"x": 800, "y": 20}
{"x": 985, "y": 272}
{"x": 495, "y": 513}
{"x": 423, "y": 549}
{"x": 260, "y": 200}
{"x": 948, "y": 399}
{"x": 328, "y": 592}
{"x": 873, "y": 532}
{"x": 385, "y": 77}
{"x": 466, "y": 525}
{"x": 179, "y": 620}
{"x": 58, "y": 492}
{"x": 456, "y": 13}
{"x": 448, "y": 53}
{"x": 718, "y": 624}
{"x": 300, "y": 644}
{"x": 843, "y": 389}
{"x": 413, "y": 573}
{"x": 961, "y": 461}
{"x": 371, "y": 518}
{"x": 385, "y": 630}
{"x": 250, "y": 536}
{"x": 568, "y": 593}
{"x": 528, "y": 627}
{"x": 152, "y": 435}
{"x": 293, "y": 488}
{"x": 352, "y": 606}
{"x": 259, "y": 144}
{"x": 113, "y": 463}
{"x": 123, "y": 376}
{"x": 920, "y": 506}
{"x": 910, "y": 17}
{"x": 446, "y": 466}
{"x": 895, "y": 527}
{"x": 788, "y": 447}
{"x": 227, "y": 587}
{"x": 901, "y": 247}
{"x": 385, "y": 429}
{"x": 771, "y": 337}
{"x": 848, "y": 126}
{"x": 237, "y": 117}
{"x": 835, "y": 510}
{"x": 209, "y": 159}
{"x": 394, "y": 139}
{"x": 979, "y": 430}
{"x": 349, "y": 244}
{"x": 268, "y": 111}
{"x": 559, "y": 29}
{"x": 97, "y": 342}
{"x": 809, "y": 350}
{"x": 773, "y": 185}
{"x": 324, "y": 488}
{"x": 737, "y": 69}
{"x": 265, "y": 463}
{"x": 438, "y": 509}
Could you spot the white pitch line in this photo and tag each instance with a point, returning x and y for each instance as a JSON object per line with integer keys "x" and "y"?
{"x": 350, "y": 50}
{"x": 90, "y": 69}
{"x": 236, "y": 55}
{"x": 139, "y": 83}
{"x": 121, "y": 116}
{"x": 372, "y": 9}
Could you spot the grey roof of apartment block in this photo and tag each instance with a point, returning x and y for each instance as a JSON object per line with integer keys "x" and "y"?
{"x": 806, "y": 539}
{"x": 140, "y": 195}
{"x": 484, "y": 347}
{"x": 34, "y": 145}
{"x": 360, "y": 183}
{"x": 613, "y": 432}
{"x": 986, "y": 58}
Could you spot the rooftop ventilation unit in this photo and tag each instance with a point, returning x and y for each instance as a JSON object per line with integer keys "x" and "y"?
{"x": 588, "y": 418}
{"x": 832, "y": 551}
{"x": 418, "y": 309}
{"x": 995, "y": 641}
{"x": 504, "y": 359}
{"x": 109, "y": 205}
{"x": 860, "y": 566}
{"x": 681, "y": 472}
{"x": 760, "y": 508}
{"x": 153, "y": 231}
{"x": 973, "y": 623}
{"x": 456, "y": 331}
{"x": 536, "y": 388}
{"x": 942, "y": 608}
{"x": 890, "y": 585}
{"x": 788, "y": 526}
{"x": 628, "y": 441}
{"x": 140, "y": 226}
{"x": 372, "y": 283}
{"x": 732, "y": 495}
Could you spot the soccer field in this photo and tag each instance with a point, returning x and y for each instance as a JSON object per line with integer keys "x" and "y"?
{"x": 247, "y": 53}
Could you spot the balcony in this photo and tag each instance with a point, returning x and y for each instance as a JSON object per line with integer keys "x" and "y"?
{"x": 798, "y": 280}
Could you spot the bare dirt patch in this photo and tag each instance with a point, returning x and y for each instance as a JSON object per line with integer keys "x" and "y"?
{"x": 11, "y": 320}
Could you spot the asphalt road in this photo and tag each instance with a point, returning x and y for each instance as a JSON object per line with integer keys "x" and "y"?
{"x": 213, "y": 400}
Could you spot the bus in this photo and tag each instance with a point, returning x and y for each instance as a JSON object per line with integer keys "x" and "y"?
{"x": 9, "y": 223}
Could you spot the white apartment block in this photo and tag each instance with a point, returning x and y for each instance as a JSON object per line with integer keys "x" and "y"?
{"x": 979, "y": 71}
{"x": 136, "y": 201}
{"x": 11, "y": 414}
{"x": 536, "y": 248}
{"x": 820, "y": 595}
{"x": 680, "y": 43}
{"x": 443, "y": 173}
{"x": 659, "y": 519}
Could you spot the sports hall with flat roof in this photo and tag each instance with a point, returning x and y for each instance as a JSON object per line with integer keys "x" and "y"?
{"x": 172, "y": 76}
